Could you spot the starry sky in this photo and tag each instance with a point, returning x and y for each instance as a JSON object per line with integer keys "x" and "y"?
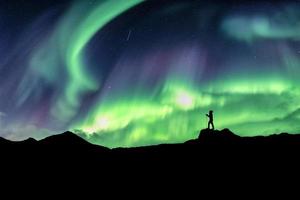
{"x": 133, "y": 73}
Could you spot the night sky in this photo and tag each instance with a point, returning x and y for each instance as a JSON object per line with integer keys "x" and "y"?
{"x": 132, "y": 72}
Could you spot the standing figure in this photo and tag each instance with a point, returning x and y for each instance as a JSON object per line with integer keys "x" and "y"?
{"x": 210, "y": 120}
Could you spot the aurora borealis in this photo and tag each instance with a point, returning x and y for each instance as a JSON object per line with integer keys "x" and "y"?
{"x": 132, "y": 72}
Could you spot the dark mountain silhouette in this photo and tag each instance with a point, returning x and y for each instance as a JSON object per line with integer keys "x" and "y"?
{"x": 213, "y": 149}
{"x": 66, "y": 138}
{"x": 28, "y": 141}
{"x": 4, "y": 141}
{"x": 212, "y": 159}
{"x": 206, "y": 137}
{"x": 224, "y": 136}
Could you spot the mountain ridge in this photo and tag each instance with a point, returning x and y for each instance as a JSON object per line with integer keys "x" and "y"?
{"x": 205, "y": 135}
{"x": 211, "y": 150}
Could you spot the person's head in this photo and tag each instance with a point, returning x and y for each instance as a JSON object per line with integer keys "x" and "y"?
{"x": 210, "y": 112}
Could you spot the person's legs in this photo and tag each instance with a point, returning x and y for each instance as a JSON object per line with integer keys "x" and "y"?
{"x": 210, "y": 123}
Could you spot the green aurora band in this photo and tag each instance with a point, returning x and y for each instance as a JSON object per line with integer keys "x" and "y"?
{"x": 248, "y": 100}
{"x": 71, "y": 38}
{"x": 79, "y": 80}
{"x": 159, "y": 91}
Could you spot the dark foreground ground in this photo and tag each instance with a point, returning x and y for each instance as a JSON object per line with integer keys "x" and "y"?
{"x": 217, "y": 159}
{"x": 211, "y": 149}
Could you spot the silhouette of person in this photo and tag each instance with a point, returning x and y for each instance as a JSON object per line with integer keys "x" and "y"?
{"x": 210, "y": 120}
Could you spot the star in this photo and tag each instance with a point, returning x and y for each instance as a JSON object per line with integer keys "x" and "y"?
{"x": 128, "y": 36}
